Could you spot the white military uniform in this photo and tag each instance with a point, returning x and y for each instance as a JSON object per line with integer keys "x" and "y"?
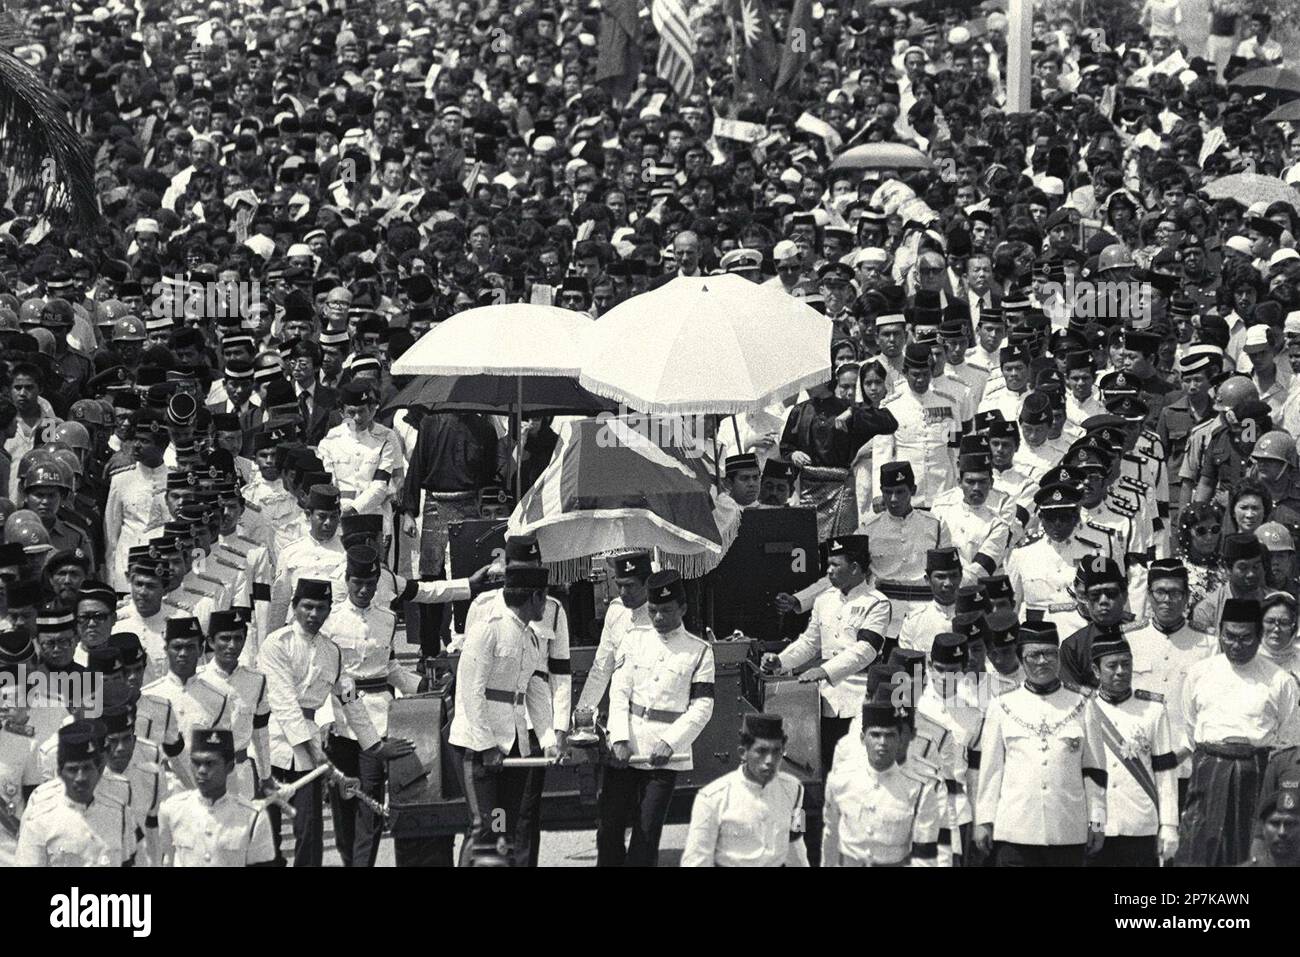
{"x": 354, "y": 457}
{"x": 1042, "y": 764}
{"x": 495, "y": 696}
{"x": 141, "y": 787}
{"x": 947, "y": 730}
{"x": 553, "y": 629}
{"x": 973, "y": 377}
{"x": 1141, "y": 770}
{"x": 228, "y": 832}
{"x": 366, "y": 636}
{"x": 276, "y": 509}
{"x": 251, "y": 716}
{"x": 303, "y": 673}
{"x": 998, "y": 396}
{"x": 253, "y": 573}
{"x": 151, "y": 631}
{"x": 877, "y": 818}
{"x": 737, "y": 822}
{"x": 980, "y": 534}
{"x": 193, "y": 599}
{"x": 619, "y": 620}
{"x": 1076, "y": 412}
{"x": 305, "y": 558}
{"x": 60, "y": 832}
{"x": 917, "y": 633}
{"x": 898, "y": 547}
{"x": 1042, "y": 570}
{"x": 135, "y": 509}
{"x": 196, "y": 705}
{"x": 19, "y": 769}
{"x": 662, "y": 690}
{"x": 832, "y": 634}
{"x": 1035, "y": 460}
{"x": 928, "y": 427}
{"x": 1161, "y": 661}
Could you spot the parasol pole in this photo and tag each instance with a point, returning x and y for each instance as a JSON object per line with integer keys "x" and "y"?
{"x": 519, "y": 439}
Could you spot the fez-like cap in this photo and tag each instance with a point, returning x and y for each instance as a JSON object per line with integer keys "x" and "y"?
{"x": 187, "y": 627}
{"x": 81, "y": 740}
{"x": 897, "y": 473}
{"x": 1241, "y": 610}
{"x": 105, "y": 659}
{"x": 324, "y": 498}
{"x": 942, "y": 560}
{"x": 1099, "y": 570}
{"x": 1003, "y": 629}
{"x": 363, "y": 562}
{"x": 523, "y": 548}
{"x": 666, "y": 586}
{"x": 777, "y": 469}
{"x": 219, "y": 740}
{"x": 856, "y": 547}
{"x": 878, "y": 714}
{"x": 118, "y": 719}
{"x": 884, "y": 673}
{"x": 1240, "y": 546}
{"x": 949, "y": 648}
{"x": 997, "y": 586}
{"x": 226, "y": 620}
{"x": 975, "y": 462}
{"x": 769, "y": 727}
{"x": 1166, "y": 568}
{"x": 634, "y": 564}
{"x": 740, "y": 463}
{"x": 1037, "y": 633}
{"x": 1110, "y": 642}
{"x": 312, "y": 589}
{"x": 527, "y": 576}
{"x": 970, "y": 601}
{"x": 909, "y": 659}
{"x": 916, "y": 356}
{"x": 1036, "y": 409}
{"x": 355, "y": 524}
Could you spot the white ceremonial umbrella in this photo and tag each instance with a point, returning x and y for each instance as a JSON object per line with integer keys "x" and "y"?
{"x": 707, "y": 345}
{"x": 514, "y": 340}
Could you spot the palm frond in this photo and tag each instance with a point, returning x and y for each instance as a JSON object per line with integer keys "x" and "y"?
{"x": 39, "y": 145}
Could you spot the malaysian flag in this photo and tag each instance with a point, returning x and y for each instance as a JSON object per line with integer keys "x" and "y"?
{"x": 676, "y": 45}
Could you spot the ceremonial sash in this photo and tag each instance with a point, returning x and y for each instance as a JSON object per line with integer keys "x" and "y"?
{"x": 1115, "y": 745}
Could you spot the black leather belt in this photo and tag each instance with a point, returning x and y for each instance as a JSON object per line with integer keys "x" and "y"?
{"x": 505, "y": 697}
{"x": 652, "y": 714}
{"x": 373, "y": 684}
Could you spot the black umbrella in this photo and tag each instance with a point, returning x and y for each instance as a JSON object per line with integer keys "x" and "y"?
{"x": 495, "y": 394}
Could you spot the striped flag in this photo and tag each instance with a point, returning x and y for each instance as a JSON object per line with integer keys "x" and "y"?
{"x": 676, "y": 45}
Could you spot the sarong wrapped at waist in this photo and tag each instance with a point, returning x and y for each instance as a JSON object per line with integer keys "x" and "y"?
{"x": 830, "y": 492}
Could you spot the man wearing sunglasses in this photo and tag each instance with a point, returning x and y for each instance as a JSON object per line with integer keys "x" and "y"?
{"x": 1105, "y": 591}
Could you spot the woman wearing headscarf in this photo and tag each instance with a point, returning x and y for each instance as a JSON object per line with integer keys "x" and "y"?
{"x": 1200, "y": 528}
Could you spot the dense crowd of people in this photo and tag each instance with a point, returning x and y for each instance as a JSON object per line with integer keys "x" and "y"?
{"x": 1054, "y": 463}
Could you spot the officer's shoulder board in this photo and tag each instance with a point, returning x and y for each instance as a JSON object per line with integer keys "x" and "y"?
{"x": 1148, "y": 695}
{"x": 1104, "y": 529}
{"x": 1134, "y": 625}
{"x": 1089, "y": 543}
{"x": 1029, "y": 539}
{"x": 946, "y": 395}
{"x": 119, "y": 470}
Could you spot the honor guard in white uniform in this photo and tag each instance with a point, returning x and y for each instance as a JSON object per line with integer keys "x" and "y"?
{"x": 625, "y": 613}
{"x": 155, "y": 721}
{"x": 948, "y": 723}
{"x": 66, "y": 823}
{"x": 142, "y": 613}
{"x": 1165, "y": 649}
{"x": 1002, "y": 667}
{"x": 315, "y": 555}
{"x": 752, "y": 816}
{"x": 929, "y": 424}
{"x": 133, "y": 512}
{"x": 188, "y": 594}
{"x": 304, "y": 673}
{"x": 660, "y": 699}
{"x": 196, "y": 704}
{"x": 847, "y": 632}
{"x": 363, "y": 456}
{"x": 250, "y": 560}
{"x": 365, "y": 633}
{"x": 943, "y": 579}
{"x": 875, "y": 814}
{"x": 900, "y": 538}
{"x": 1017, "y": 488}
{"x": 270, "y": 505}
{"x": 1035, "y": 421}
{"x": 494, "y": 686}
{"x": 1141, "y": 770}
{"x": 133, "y": 776}
{"x": 978, "y": 531}
{"x": 210, "y": 826}
{"x": 997, "y": 393}
{"x": 1041, "y": 797}
{"x": 251, "y": 719}
{"x": 952, "y": 333}
{"x": 1042, "y": 568}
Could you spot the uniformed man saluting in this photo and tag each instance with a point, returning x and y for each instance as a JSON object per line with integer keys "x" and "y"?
{"x": 876, "y": 815}
{"x": 1042, "y": 783}
{"x": 752, "y": 816}
{"x": 66, "y": 823}
{"x": 493, "y": 684}
{"x": 660, "y": 700}
{"x": 208, "y": 826}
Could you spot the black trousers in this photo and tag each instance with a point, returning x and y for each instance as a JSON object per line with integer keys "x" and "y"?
{"x": 494, "y": 796}
{"x": 1127, "y": 852}
{"x": 308, "y": 820}
{"x": 1006, "y": 854}
{"x": 528, "y": 832}
{"x": 637, "y": 798}
{"x": 357, "y": 829}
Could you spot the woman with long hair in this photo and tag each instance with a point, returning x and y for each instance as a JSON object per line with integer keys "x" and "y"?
{"x": 1200, "y": 528}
